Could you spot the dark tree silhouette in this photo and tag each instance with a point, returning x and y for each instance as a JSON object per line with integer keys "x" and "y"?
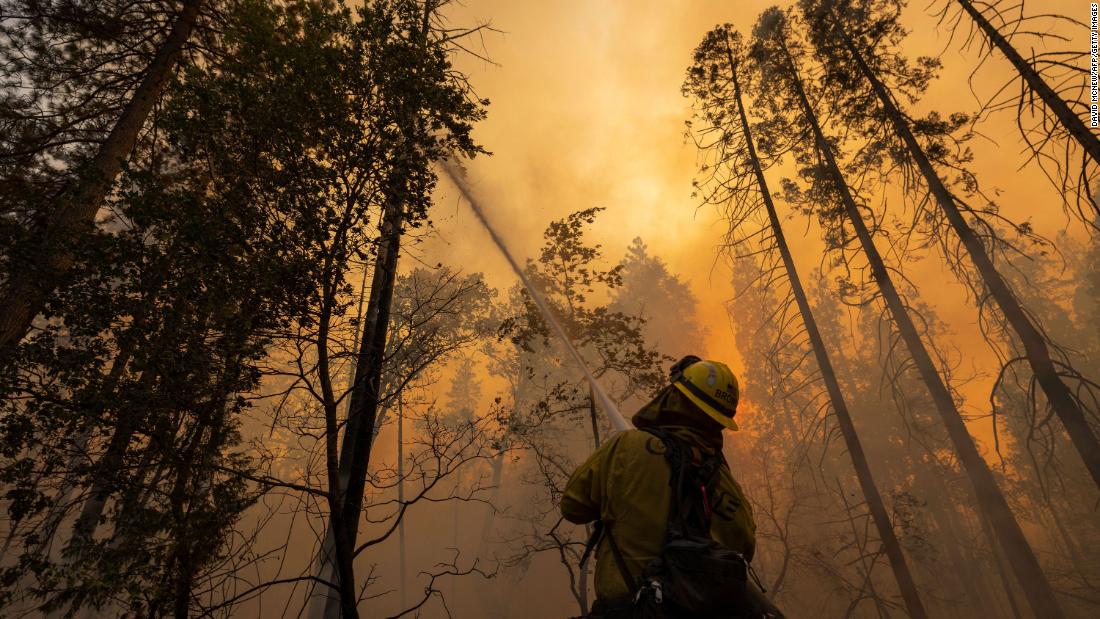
{"x": 853, "y": 40}
{"x": 777, "y": 52}
{"x": 715, "y": 79}
{"x": 36, "y": 269}
{"x": 428, "y": 117}
{"x": 1051, "y": 101}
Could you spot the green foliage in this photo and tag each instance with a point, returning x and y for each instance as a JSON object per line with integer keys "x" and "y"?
{"x": 437, "y": 314}
{"x": 239, "y": 217}
{"x": 68, "y": 69}
{"x": 570, "y": 275}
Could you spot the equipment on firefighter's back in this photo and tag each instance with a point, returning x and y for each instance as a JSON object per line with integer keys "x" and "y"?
{"x": 694, "y": 575}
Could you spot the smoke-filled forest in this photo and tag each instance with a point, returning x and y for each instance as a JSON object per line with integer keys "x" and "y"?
{"x": 263, "y": 351}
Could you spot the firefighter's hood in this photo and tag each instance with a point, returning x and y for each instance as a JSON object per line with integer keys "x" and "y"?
{"x": 671, "y": 410}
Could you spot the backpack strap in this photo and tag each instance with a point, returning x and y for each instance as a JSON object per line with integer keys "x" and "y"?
{"x": 600, "y": 532}
{"x": 689, "y": 480}
{"x": 593, "y": 540}
{"x": 620, "y": 562}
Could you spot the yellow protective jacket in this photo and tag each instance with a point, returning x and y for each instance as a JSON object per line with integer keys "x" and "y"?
{"x": 625, "y": 483}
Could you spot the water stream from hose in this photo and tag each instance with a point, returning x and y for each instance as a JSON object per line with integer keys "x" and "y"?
{"x": 458, "y": 177}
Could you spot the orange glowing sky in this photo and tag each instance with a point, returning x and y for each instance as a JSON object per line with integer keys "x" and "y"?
{"x": 587, "y": 111}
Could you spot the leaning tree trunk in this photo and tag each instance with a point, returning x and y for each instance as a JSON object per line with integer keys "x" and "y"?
{"x": 355, "y": 449}
{"x": 321, "y": 593}
{"x": 194, "y": 470}
{"x": 105, "y": 474}
{"x": 363, "y": 404}
{"x": 402, "y": 569}
{"x": 865, "y": 566}
{"x": 193, "y": 460}
{"x": 1021, "y": 557}
{"x": 59, "y": 510}
{"x": 1006, "y": 582}
{"x": 1072, "y": 122}
{"x": 1061, "y": 399}
{"x": 881, "y": 518}
{"x": 52, "y": 256}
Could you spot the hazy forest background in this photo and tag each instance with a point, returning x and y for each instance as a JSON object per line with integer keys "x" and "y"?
{"x": 258, "y": 359}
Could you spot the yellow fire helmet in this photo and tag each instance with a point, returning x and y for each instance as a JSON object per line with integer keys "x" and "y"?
{"x": 710, "y": 385}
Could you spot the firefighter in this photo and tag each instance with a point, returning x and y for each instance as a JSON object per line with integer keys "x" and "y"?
{"x": 626, "y": 486}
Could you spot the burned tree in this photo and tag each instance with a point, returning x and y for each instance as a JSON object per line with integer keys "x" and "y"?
{"x": 738, "y": 184}
{"x": 856, "y": 43}
{"x": 778, "y": 52}
{"x": 1052, "y": 87}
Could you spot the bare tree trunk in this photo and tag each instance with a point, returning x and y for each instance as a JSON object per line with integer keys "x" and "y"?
{"x": 971, "y": 571}
{"x": 52, "y": 257}
{"x": 1064, "y": 536}
{"x": 59, "y": 510}
{"x": 1021, "y": 557}
{"x": 875, "y": 504}
{"x": 355, "y": 451}
{"x": 401, "y": 565}
{"x": 106, "y": 470}
{"x": 1006, "y": 582}
{"x": 335, "y": 559}
{"x": 865, "y": 567}
{"x": 1072, "y": 122}
{"x": 363, "y": 406}
{"x": 1061, "y": 399}
{"x": 319, "y": 593}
